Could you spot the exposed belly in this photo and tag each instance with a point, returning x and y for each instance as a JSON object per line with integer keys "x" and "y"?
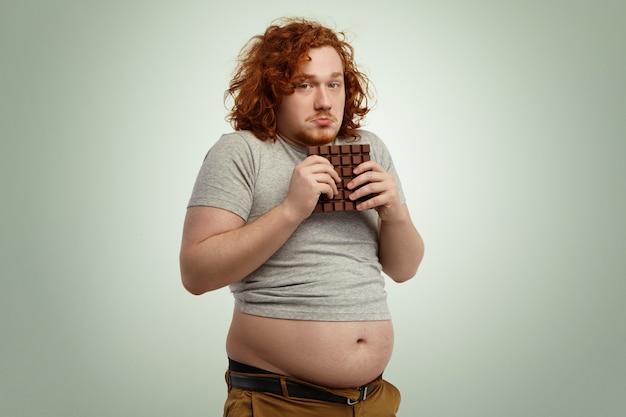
{"x": 333, "y": 354}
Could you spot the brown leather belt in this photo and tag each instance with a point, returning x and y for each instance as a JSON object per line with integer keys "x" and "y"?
{"x": 294, "y": 389}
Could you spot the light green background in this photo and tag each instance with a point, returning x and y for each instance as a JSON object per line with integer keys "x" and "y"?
{"x": 507, "y": 121}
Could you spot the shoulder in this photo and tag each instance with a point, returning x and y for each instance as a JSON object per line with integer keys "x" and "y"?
{"x": 378, "y": 147}
{"x": 371, "y": 138}
{"x": 368, "y": 136}
{"x": 238, "y": 139}
{"x": 241, "y": 143}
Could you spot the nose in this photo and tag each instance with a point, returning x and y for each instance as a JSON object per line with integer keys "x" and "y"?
{"x": 322, "y": 100}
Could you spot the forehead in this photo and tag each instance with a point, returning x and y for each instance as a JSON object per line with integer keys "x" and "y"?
{"x": 322, "y": 61}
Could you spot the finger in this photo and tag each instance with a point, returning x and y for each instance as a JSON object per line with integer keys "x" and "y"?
{"x": 330, "y": 193}
{"x": 378, "y": 201}
{"x": 369, "y": 203}
{"x": 326, "y": 185}
{"x": 365, "y": 192}
{"x": 318, "y": 164}
{"x": 386, "y": 190}
{"x": 315, "y": 159}
{"x": 368, "y": 177}
{"x": 370, "y": 165}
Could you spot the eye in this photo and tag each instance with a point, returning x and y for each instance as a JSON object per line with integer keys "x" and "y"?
{"x": 304, "y": 86}
{"x": 334, "y": 85}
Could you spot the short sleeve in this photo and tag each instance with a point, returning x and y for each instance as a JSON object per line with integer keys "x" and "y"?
{"x": 226, "y": 177}
{"x": 381, "y": 154}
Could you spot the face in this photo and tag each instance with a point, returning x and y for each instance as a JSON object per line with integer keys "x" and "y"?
{"x": 312, "y": 115}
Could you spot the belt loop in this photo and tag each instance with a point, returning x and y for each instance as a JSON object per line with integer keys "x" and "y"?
{"x": 283, "y": 385}
{"x": 228, "y": 383}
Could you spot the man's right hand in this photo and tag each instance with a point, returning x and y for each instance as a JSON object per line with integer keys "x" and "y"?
{"x": 311, "y": 178}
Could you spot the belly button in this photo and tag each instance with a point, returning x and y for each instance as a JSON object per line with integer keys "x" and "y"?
{"x": 360, "y": 341}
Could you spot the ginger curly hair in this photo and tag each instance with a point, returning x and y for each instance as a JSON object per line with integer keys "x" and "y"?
{"x": 267, "y": 65}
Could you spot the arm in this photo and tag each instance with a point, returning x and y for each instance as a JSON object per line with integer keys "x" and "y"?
{"x": 218, "y": 248}
{"x": 400, "y": 246}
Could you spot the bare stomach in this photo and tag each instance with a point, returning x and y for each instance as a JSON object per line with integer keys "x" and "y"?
{"x": 333, "y": 354}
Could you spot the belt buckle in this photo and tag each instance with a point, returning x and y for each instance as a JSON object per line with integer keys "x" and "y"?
{"x": 362, "y": 396}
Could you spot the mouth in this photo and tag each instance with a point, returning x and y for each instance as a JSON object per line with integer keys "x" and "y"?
{"x": 322, "y": 120}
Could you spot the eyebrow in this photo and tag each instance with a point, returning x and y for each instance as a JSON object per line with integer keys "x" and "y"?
{"x": 313, "y": 77}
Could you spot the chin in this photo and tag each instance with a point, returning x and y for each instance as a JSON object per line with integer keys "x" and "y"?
{"x": 319, "y": 139}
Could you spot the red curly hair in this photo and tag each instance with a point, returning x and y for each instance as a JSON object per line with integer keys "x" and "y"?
{"x": 267, "y": 65}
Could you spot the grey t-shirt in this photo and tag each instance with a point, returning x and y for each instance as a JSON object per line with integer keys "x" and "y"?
{"x": 328, "y": 270}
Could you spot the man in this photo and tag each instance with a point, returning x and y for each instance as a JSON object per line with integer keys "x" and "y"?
{"x": 311, "y": 333}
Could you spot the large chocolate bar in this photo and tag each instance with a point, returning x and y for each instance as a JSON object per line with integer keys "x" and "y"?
{"x": 344, "y": 158}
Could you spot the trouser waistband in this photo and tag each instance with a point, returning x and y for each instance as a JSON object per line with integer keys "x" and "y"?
{"x": 250, "y": 378}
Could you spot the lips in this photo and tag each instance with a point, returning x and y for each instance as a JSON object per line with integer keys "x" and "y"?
{"x": 322, "y": 119}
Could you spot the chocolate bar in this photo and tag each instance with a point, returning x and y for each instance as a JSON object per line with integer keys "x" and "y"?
{"x": 344, "y": 158}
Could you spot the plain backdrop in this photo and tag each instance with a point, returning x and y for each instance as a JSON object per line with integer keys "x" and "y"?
{"x": 506, "y": 120}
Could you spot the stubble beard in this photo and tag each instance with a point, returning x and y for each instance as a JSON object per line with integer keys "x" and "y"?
{"x": 317, "y": 138}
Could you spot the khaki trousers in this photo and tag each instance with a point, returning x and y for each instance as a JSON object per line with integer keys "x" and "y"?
{"x": 383, "y": 402}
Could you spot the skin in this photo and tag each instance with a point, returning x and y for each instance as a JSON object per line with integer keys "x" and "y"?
{"x": 220, "y": 248}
